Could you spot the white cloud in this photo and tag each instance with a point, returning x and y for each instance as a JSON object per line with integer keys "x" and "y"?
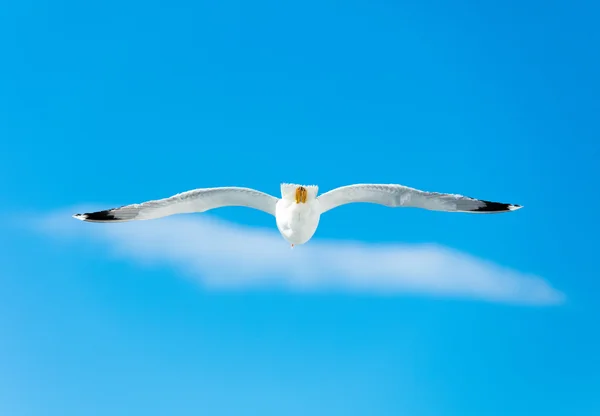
{"x": 222, "y": 255}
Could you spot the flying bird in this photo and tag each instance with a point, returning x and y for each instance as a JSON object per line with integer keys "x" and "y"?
{"x": 298, "y": 211}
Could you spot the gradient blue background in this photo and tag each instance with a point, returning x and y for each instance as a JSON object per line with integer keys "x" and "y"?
{"x": 121, "y": 102}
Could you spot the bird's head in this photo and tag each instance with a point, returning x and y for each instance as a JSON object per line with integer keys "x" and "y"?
{"x": 299, "y": 194}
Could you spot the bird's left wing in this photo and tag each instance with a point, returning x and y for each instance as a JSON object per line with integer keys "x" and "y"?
{"x": 197, "y": 200}
{"x": 403, "y": 196}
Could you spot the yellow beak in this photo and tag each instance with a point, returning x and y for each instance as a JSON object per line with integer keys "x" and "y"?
{"x": 301, "y": 195}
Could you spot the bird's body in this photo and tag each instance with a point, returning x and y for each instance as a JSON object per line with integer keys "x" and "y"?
{"x": 298, "y": 211}
{"x": 297, "y": 221}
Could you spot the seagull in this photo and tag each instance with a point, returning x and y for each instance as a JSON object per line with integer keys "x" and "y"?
{"x": 298, "y": 211}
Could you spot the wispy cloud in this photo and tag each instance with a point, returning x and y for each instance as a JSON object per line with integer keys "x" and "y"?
{"x": 220, "y": 254}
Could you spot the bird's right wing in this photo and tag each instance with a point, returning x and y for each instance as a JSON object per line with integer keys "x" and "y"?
{"x": 403, "y": 196}
{"x": 197, "y": 200}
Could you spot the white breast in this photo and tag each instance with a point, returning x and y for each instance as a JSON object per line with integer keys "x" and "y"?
{"x": 297, "y": 222}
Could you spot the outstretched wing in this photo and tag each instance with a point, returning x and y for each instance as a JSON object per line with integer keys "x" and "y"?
{"x": 403, "y": 196}
{"x": 197, "y": 200}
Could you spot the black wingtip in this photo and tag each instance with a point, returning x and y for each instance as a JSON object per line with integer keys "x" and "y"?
{"x": 497, "y": 207}
{"x": 105, "y": 215}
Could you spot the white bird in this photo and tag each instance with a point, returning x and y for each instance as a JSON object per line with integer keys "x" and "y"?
{"x": 299, "y": 209}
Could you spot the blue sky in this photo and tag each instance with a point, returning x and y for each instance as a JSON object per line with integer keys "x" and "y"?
{"x": 104, "y": 105}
